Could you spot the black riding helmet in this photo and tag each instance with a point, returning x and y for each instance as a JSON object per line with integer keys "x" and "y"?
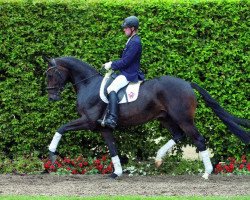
{"x": 130, "y": 22}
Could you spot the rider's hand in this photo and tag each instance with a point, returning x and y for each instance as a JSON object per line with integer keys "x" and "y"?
{"x": 107, "y": 65}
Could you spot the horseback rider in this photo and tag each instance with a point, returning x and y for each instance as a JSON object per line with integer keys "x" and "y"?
{"x": 129, "y": 67}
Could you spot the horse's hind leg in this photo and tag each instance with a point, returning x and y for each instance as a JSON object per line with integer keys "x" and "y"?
{"x": 182, "y": 111}
{"x": 177, "y": 134}
{"x": 199, "y": 141}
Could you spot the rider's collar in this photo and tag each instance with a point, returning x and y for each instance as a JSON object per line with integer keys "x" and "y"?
{"x": 130, "y": 38}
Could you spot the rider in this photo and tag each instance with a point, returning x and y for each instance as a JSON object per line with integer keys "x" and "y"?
{"x": 128, "y": 65}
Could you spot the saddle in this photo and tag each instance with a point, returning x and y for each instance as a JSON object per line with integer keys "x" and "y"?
{"x": 126, "y": 94}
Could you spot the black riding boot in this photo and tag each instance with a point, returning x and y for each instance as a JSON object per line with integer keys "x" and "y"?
{"x": 111, "y": 118}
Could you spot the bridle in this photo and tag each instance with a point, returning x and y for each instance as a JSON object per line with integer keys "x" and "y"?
{"x": 60, "y": 75}
{"x": 55, "y": 68}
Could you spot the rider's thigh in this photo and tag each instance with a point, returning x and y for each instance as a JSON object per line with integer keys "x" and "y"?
{"x": 119, "y": 82}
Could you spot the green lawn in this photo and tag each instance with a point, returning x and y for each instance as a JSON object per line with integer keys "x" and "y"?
{"x": 12, "y": 197}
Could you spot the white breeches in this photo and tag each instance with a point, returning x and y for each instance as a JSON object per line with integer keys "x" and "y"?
{"x": 119, "y": 82}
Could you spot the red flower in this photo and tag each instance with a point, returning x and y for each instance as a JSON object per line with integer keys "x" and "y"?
{"x": 68, "y": 168}
{"x": 241, "y": 166}
{"x": 99, "y": 167}
{"x": 248, "y": 166}
{"x": 52, "y": 167}
{"x": 47, "y": 165}
{"x": 97, "y": 162}
{"x": 66, "y": 160}
{"x": 227, "y": 168}
{"x": 109, "y": 168}
{"x": 72, "y": 163}
{"x": 244, "y": 161}
{"x": 231, "y": 159}
{"x": 79, "y": 158}
{"x": 104, "y": 158}
{"x": 218, "y": 168}
{"x": 231, "y": 166}
{"x": 84, "y": 171}
{"x": 243, "y": 157}
{"x": 74, "y": 171}
{"x": 59, "y": 165}
{"x": 85, "y": 163}
{"x": 80, "y": 165}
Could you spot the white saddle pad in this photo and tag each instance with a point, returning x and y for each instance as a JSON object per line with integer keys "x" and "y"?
{"x": 132, "y": 90}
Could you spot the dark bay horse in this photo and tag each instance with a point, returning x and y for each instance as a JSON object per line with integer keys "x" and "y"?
{"x": 168, "y": 99}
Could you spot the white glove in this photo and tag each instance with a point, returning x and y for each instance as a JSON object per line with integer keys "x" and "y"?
{"x": 107, "y": 65}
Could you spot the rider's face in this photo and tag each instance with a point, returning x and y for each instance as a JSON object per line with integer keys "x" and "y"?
{"x": 127, "y": 31}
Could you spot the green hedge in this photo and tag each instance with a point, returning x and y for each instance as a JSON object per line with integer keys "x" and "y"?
{"x": 206, "y": 42}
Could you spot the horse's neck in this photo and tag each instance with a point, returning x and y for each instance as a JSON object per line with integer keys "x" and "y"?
{"x": 85, "y": 79}
{"x": 89, "y": 82}
{"x": 78, "y": 78}
{"x": 79, "y": 75}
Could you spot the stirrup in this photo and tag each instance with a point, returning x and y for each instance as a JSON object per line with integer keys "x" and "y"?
{"x": 110, "y": 123}
{"x": 101, "y": 122}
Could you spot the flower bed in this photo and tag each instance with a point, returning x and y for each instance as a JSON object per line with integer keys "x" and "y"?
{"x": 79, "y": 165}
{"x": 231, "y": 165}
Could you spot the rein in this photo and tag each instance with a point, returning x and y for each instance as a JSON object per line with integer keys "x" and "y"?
{"x": 85, "y": 79}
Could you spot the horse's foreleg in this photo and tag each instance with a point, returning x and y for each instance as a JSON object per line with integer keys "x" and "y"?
{"x": 110, "y": 141}
{"x": 77, "y": 124}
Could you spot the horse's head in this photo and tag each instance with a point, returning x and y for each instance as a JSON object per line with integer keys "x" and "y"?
{"x": 56, "y": 79}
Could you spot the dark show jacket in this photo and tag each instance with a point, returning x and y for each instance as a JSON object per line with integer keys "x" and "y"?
{"x": 129, "y": 63}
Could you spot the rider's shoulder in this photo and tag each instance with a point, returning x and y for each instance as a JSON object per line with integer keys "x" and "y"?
{"x": 135, "y": 41}
{"x": 136, "y": 38}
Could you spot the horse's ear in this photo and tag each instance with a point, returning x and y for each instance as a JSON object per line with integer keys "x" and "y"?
{"x": 46, "y": 59}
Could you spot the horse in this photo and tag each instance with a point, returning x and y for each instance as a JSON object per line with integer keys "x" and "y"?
{"x": 168, "y": 99}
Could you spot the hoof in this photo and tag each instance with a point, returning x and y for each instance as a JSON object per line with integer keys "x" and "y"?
{"x": 205, "y": 176}
{"x": 113, "y": 176}
{"x": 52, "y": 157}
{"x": 45, "y": 171}
{"x": 158, "y": 163}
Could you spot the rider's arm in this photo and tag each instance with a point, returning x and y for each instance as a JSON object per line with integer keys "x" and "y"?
{"x": 131, "y": 53}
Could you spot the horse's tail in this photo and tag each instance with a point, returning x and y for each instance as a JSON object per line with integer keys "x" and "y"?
{"x": 229, "y": 120}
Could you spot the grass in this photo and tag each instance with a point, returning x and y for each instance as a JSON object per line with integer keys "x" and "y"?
{"x": 19, "y": 197}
